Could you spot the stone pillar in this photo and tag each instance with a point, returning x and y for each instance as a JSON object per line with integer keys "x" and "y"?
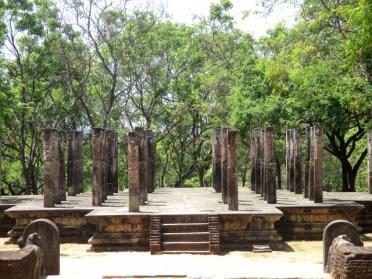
{"x": 307, "y": 164}
{"x": 150, "y": 161}
{"x": 62, "y": 166}
{"x": 258, "y": 157}
{"x": 142, "y": 178}
{"x": 318, "y": 164}
{"x": 311, "y": 164}
{"x": 269, "y": 169}
{"x": 216, "y": 160}
{"x": 369, "y": 168}
{"x": 292, "y": 181}
{"x": 134, "y": 171}
{"x": 99, "y": 166}
{"x": 224, "y": 164}
{"x": 51, "y": 167}
{"x": 232, "y": 175}
{"x": 288, "y": 157}
{"x": 253, "y": 153}
{"x": 79, "y": 162}
{"x": 297, "y": 179}
{"x": 75, "y": 164}
{"x": 261, "y": 160}
{"x": 112, "y": 162}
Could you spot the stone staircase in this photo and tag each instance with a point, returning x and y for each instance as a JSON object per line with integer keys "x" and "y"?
{"x": 191, "y": 234}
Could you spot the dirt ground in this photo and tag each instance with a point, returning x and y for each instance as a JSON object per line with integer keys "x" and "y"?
{"x": 302, "y": 259}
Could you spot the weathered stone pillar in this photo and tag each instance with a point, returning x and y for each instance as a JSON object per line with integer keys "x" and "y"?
{"x": 369, "y": 168}
{"x": 142, "y": 178}
{"x": 134, "y": 171}
{"x": 318, "y": 164}
{"x": 99, "y": 165}
{"x": 232, "y": 175}
{"x": 224, "y": 178}
{"x": 307, "y": 164}
{"x": 150, "y": 160}
{"x": 112, "y": 161}
{"x": 75, "y": 164}
{"x": 261, "y": 158}
{"x": 288, "y": 157}
{"x": 51, "y": 167}
{"x": 269, "y": 159}
{"x": 62, "y": 166}
{"x": 297, "y": 179}
{"x": 292, "y": 181}
{"x": 216, "y": 160}
{"x": 257, "y": 132}
{"x": 79, "y": 162}
{"x": 311, "y": 165}
{"x": 253, "y": 153}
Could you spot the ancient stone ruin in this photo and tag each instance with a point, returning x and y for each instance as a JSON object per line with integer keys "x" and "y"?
{"x": 141, "y": 167}
{"x": 263, "y": 163}
{"x": 39, "y": 256}
{"x": 344, "y": 254}
{"x": 224, "y": 171}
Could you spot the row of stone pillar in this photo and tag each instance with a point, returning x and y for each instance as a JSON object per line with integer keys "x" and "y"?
{"x": 263, "y": 170}
{"x": 54, "y": 187}
{"x": 141, "y": 167}
{"x": 224, "y": 166}
{"x": 105, "y": 164}
{"x": 313, "y": 178}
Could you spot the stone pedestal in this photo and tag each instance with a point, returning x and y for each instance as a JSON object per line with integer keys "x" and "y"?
{"x": 216, "y": 160}
{"x": 51, "y": 167}
{"x": 134, "y": 171}
{"x": 232, "y": 175}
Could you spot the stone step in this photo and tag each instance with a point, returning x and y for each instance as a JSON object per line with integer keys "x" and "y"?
{"x": 184, "y": 227}
{"x": 184, "y": 218}
{"x": 186, "y": 246}
{"x": 206, "y": 252}
{"x": 184, "y": 237}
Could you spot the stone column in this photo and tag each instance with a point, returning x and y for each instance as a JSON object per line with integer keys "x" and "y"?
{"x": 232, "y": 174}
{"x": 288, "y": 157}
{"x": 79, "y": 162}
{"x": 62, "y": 166}
{"x": 51, "y": 167}
{"x": 369, "y": 168}
{"x": 216, "y": 160}
{"x": 297, "y": 179}
{"x": 292, "y": 181}
{"x": 259, "y": 154}
{"x": 311, "y": 165}
{"x": 269, "y": 159}
{"x": 261, "y": 159}
{"x": 307, "y": 163}
{"x": 318, "y": 164}
{"x": 253, "y": 161}
{"x": 75, "y": 174}
{"x": 134, "y": 171}
{"x": 111, "y": 164}
{"x": 224, "y": 164}
{"x": 99, "y": 166}
{"x": 142, "y": 178}
{"x": 150, "y": 160}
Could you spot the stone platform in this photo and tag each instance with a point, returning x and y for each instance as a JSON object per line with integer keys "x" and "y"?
{"x": 112, "y": 227}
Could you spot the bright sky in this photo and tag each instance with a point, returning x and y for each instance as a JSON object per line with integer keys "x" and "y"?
{"x": 257, "y": 24}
